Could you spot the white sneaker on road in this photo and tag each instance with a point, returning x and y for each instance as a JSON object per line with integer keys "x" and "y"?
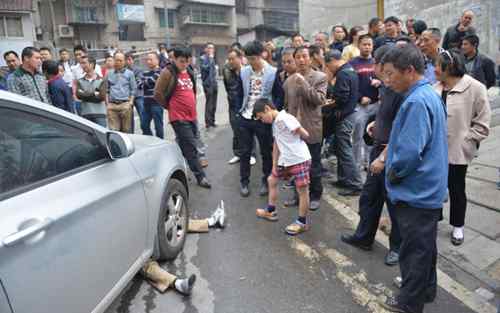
{"x": 234, "y": 160}
{"x": 253, "y": 161}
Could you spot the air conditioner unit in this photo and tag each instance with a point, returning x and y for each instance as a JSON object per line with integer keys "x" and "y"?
{"x": 66, "y": 31}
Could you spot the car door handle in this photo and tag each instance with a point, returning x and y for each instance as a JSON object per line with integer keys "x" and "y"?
{"x": 27, "y": 232}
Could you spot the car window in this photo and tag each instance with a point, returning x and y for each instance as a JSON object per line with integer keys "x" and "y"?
{"x": 34, "y": 148}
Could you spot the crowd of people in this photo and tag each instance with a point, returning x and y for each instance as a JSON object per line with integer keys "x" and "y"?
{"x": 397, "y": 100}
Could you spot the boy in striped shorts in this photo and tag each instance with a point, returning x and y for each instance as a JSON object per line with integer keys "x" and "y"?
{"x": 291, "y": 159}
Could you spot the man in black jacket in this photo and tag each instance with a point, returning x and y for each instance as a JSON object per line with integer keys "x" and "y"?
{"x": 478, "y": 65}
{"x": 345, "y": 95}
{"x": 456, "y": 33}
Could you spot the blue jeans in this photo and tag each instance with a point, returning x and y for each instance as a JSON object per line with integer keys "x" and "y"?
{"x": 139, "y": 106}
{"x": 155, "y": 113}
{"x": 360, "y": 150}
{"x": 100, "y": 120}
{"x": 77, "y": 107}
{"x": 347, "y": 172}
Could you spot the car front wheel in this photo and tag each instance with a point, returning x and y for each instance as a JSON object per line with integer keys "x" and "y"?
{"x": 173, "y": 221}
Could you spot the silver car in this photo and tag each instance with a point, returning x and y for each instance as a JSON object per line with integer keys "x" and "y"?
{"x": 82, "y": 208}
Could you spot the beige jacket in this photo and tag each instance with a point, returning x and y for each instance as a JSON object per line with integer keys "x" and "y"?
{"x": 303, "y": 99}
{"x": 469, "y": 116}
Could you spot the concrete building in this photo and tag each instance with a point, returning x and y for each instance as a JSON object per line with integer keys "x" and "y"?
{"x": 266, "y": 19}
{"x": 16, "y": 26}
{"x": 98, "y": 24}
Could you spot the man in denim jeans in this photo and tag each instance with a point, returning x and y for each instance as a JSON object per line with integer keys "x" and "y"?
{"x": 152, "y": 109}
{"x": 345, "y": 95}
{"x": 139, "y": 93}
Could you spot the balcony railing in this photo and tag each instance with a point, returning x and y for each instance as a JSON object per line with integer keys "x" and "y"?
{"x": 86, "y": 12}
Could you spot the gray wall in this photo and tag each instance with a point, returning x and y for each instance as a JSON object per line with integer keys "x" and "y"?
{"x": 444, "y": 13}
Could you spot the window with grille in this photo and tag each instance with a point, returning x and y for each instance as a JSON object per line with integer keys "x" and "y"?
{"x": 161, "y": 18}
{"x": 11, "y": 26}
{"x": 208, "y": 15}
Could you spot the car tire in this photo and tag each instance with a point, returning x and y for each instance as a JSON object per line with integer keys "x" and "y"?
{"x": 173, "y": 220}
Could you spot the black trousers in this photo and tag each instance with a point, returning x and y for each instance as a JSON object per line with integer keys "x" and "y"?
{"x": 458, "y": 197}
{"x": 210, "y": 105}
{"x": 235, "y": 126}
{"x": 185, "y": 133}
{"x": 417, "y": 255}
{"x": 316, "y": 187}
{"x": 249, "y": 129}
{"x": 371, "y": 203}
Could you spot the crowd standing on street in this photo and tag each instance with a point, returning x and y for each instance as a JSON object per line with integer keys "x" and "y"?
{"x": 398, "y": 101}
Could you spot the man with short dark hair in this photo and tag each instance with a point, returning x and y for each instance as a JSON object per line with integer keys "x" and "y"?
{"x": 121, "y": 91}
{"x": 60, "y": 94}
{"x": 297, "y": 40}
{"x": 26, "y": 80}
{"x": 391, "y": 33}
{"x": 429, "y": 45}
{"x": 416, "y": 176}
{"x": 65, "y": 61}
{"x": 91, "y": 91}
{"x": 257, "y": 79}
{"x": 455, "y": 34}
{"x": 210, "y": 85}
{"x": 375, "y": 27}
{"x": 317, "y": 58}
{"x": 477, "y": 64}
{"x": 345, "y": 96}
{"x": 152, "y": 109}
{"x": 364, "y": 65}
{"x": 45, "y": 54}
{"x": 139, "y": 93}
{"x": 175, "y": 89}
{"x": 12, "y": 60}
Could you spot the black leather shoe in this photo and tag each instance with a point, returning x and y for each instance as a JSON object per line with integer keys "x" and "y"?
{"x": 456, "y": 241}
{"x": 204, "y": 183}
{"x": 391, "y": 304}
{"x": 264, "y": 190}
{"x": 353, "y": 241}
{"x": 244, "y": 191}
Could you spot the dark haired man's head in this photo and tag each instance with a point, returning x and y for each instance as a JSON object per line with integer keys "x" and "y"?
{"x": 321, "y": 39}
{"x": 253, "y": 52}
{"x": 119, "y": 60}
{"x": 403, "y": 67}
{"x": 316, "y": 51}
{"x": 333, "y": 60}
{"x": 234, "y": 58}
{"x": 339, "y": 33}
{"x": 79, "y": 51}
{"x": 450, "y": 64}
{"x": 64, "y": 55}
{"x": 365, "y": 45}
{"x": 297, "y": 40}
{"x": 302, "y": 59}
{"x": 210, "y": 49}
{"x": 264, "y": 111}
{"x": 378, "y": 56}
{"x": 237, "y": 45}
{"x": 152, "y": 60}
{"x": 470, "y": 44}
{"x": 129, "y": 57}
{"x": 11, "y": 59}
{"x": 182, "y": 55}
{"x": 45, "y": 53}
{"x": 391, "y": 26}
{"x": 50, "y": 68}
{"x": 288, "y": 61}
{"x": 87, "y": 64}
{"x": 403, "y": 40}
{"x": 419, "y": 27}
{"x": 429, "y": 42}
{"x": 31, "y": 59}
{"x": 374, "y": 23}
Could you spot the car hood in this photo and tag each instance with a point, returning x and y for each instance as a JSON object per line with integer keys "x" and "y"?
{"x": 142, "y": 142}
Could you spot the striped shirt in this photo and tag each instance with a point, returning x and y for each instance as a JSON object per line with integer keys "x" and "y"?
{"x": 147, "y": 83}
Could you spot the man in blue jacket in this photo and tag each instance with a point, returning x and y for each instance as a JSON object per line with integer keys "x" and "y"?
{"x": 257, "y": 79}
{"x": 416, "y": 176}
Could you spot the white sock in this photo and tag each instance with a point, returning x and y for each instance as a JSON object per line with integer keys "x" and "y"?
{"x": 458, "y": 232}
{"x": 211, "y": 221}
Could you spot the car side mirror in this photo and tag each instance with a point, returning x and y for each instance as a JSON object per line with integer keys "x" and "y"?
{"x": 119, "y": 145}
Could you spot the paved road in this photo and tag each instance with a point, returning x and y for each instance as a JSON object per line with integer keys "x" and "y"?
{"x": 252, "y": 266}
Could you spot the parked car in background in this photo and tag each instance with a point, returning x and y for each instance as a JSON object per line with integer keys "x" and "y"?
{"x": 82, "y": 208}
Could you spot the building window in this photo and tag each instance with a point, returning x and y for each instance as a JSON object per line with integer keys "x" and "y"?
{"x": 241, "y": 6}
{"x": 86, "y": 14}
{"x": 11, "y": 26}
{"x": 171, "y": 17}
{"x": 208, "y": 16}
{"x": 131, "y": 32}
{"x": 281, "y": 20}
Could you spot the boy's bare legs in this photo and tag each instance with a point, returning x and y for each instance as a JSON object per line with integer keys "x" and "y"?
{"x": 303, "y": 201}
{"x": 269, "y": 213}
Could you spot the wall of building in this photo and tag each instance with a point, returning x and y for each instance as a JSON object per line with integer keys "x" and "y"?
{"x": 18, "y": 43}
{"x": 444, "y": 13}
{"x": 320, "y": 15}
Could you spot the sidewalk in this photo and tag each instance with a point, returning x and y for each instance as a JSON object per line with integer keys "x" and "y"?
{"x": 475, "y": 264}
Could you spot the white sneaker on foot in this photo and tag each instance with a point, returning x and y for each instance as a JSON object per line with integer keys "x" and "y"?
{"x": 234, "y": 160}
{"x": 253, "y": 161}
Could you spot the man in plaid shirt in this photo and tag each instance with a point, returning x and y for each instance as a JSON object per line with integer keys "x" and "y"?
{"x": 26, "y": 80}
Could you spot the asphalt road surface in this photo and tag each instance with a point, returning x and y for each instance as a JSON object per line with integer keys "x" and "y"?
{"x": 252, "y": 266}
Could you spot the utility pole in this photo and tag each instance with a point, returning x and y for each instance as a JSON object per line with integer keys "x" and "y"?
{"x": 167, "y": 36}
{"x": 380, "y": 9}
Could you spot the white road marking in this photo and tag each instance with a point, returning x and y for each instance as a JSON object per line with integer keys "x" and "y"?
{"x": 467, "y": 297}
